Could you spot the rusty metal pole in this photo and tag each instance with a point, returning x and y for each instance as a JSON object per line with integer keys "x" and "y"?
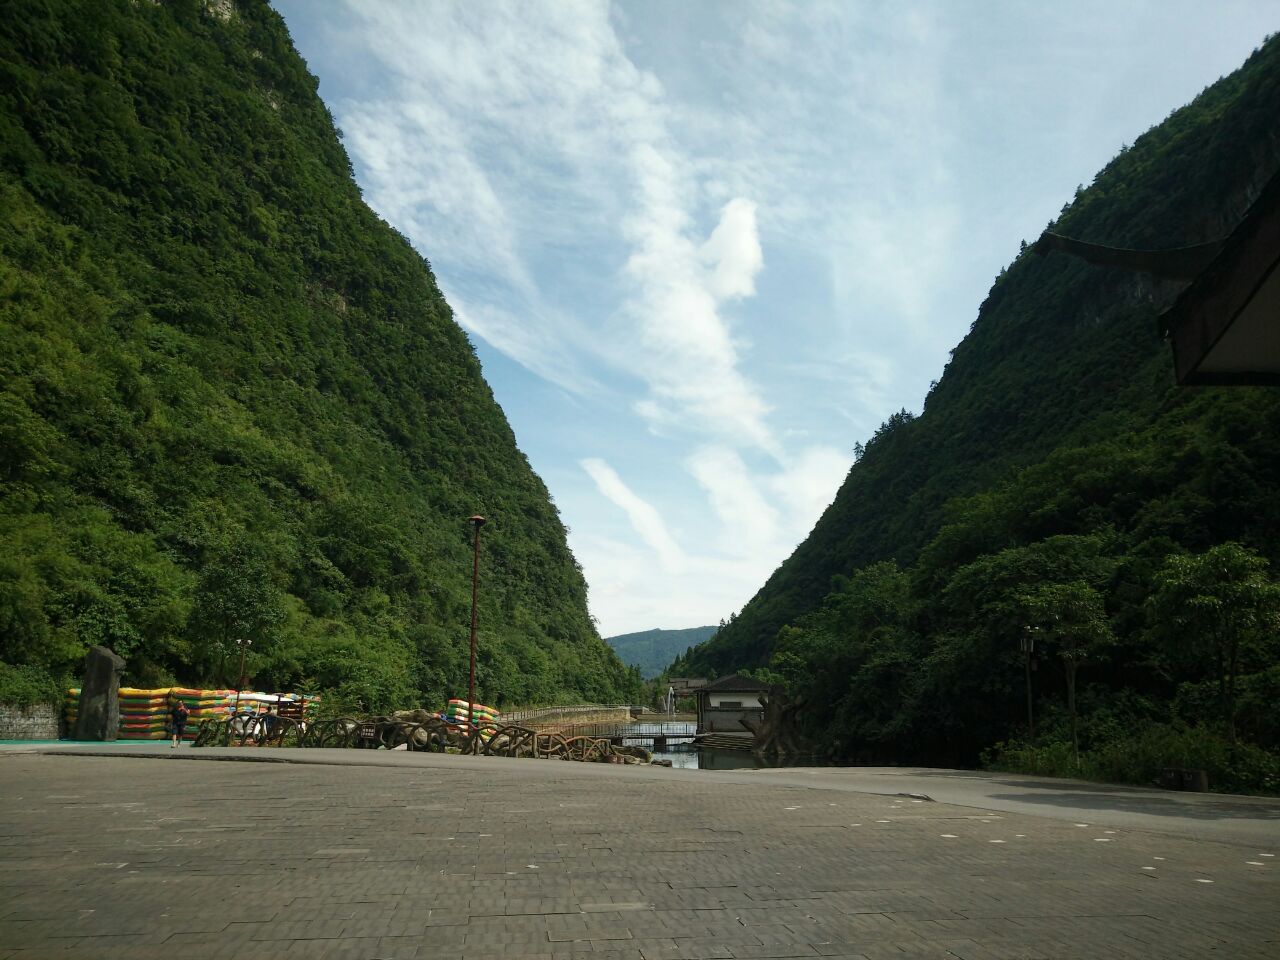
{"x": 244, "y": 644}
{"x": 478, "y": 522}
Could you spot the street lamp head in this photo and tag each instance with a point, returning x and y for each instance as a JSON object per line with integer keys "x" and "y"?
{"x": 477, "y": 520}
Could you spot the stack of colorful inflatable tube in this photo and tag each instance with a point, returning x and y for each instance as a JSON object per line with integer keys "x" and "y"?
{"x": 144, "y": 714}
{"x": 458, "y": 712}
{"x": 71, "y": 709}
{"x": 252, "y": 702}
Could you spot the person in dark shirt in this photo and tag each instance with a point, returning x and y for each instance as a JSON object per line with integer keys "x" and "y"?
{"x": 178, "y": 714}
{"x": 269, "y": 721}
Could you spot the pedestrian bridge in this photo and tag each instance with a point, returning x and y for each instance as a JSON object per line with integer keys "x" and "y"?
{"x": 636, "y": 732}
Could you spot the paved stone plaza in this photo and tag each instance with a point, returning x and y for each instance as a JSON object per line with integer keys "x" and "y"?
{"x": 412, "y": 855}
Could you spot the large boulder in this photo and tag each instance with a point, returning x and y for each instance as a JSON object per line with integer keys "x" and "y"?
{"x": 99, "y": 716}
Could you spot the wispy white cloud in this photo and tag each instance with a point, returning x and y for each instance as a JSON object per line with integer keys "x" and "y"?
{"x": 683, "y": 348}
{"x": 489, "y": 113}
{"x": 645, "y": 520}
{"x": 748, "y": 521}
{"x": 420, "y": 174}
{"x": 705, "y": 590}
{"x": 758, "y": 517}
{"x": 733, "y": 251}
{"x": 516, "y": 337}
{"x": 807, "y": 485}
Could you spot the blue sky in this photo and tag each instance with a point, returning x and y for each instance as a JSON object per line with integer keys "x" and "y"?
{"x": 705, "y": 248}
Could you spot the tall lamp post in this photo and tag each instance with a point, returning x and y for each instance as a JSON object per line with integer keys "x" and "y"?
{"x": 1028, "y": 645}
{"x": 477, "y": 522}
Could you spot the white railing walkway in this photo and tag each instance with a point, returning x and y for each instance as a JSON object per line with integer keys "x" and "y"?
{"x": 576, "y": 714}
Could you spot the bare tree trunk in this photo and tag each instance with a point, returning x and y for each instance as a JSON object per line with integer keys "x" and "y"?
{"x": 219, "y": 674}
{"x": 1233, "y": 664}
{"x": 1222, "y": 677}
{"x": 1071, "y": 709}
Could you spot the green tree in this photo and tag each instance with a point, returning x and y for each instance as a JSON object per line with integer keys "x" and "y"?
{"x": 236, "y": 603}
{"x": 849, "y": 660}
{"x": 1072, "y": 619}
{"x": 1222, "y": 604}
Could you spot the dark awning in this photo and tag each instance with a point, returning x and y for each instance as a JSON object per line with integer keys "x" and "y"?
{"x": 1225, "y": 327}
{"x": 1178, "y": 263}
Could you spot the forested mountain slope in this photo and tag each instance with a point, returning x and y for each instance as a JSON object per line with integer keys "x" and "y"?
{"x": 235, "y": 404}
{"x": 651, "y": 650}
{"x": 1055, "y": 448}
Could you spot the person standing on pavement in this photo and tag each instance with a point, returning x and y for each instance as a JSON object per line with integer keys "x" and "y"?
{"x": 178, "y": 714}
{"x": 269, "y": 722}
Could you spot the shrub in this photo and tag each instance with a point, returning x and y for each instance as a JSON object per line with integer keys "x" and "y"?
{"x": 22, "y": 686}
{"x": 1140, "y": 757}
{"x": 1052, "y": 759}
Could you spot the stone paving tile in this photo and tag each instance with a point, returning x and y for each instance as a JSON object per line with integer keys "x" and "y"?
{"x": 689, "y": 948}
{"x": 774, "y": 950}
{"x": 363, "y": 948}
{"x": 216, "y": 860}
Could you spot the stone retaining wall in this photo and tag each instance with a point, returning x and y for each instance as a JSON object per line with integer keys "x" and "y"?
{"x": 36, "y": 722}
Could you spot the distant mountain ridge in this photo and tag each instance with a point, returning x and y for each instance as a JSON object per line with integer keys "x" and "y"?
{"x": 652, "y": 650}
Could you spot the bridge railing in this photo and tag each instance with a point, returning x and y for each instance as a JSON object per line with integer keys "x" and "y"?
{"x": 678, "y": 731}
{"x": 542, "y": 718}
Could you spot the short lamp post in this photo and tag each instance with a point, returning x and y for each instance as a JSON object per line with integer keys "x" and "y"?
{"x": 477, "y": 522}
{"x": 1027, "y": 643}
